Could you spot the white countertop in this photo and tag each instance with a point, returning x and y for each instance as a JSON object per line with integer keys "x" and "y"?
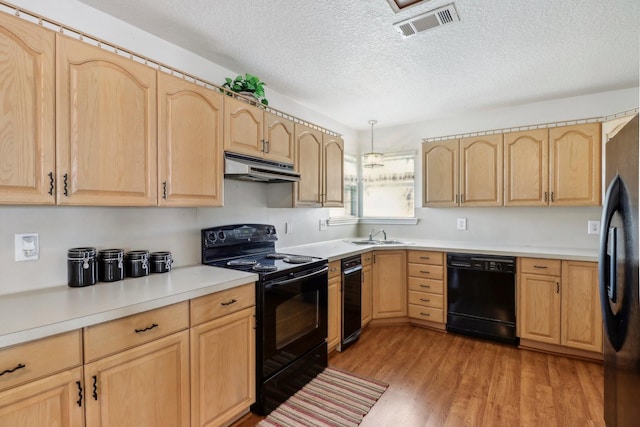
{"x": 337, "y": 249}
{"x": 37, "y": 314}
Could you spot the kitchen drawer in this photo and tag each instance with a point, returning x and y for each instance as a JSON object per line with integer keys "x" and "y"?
{"x": 425, "y": 257}
{"x": 112, "y": 337}
{"x": 37, "y": 359}
{"x": 548, "y": 267}
{"x": 426, "y": 285}
{"x": 221, "y": 303}
{"x": 427, "y": 271}
{"x": 335, "y": 268}
{"x": 367, "y": 259}
{"x": 426, "y": 299}
{"x": 426, "y": 313}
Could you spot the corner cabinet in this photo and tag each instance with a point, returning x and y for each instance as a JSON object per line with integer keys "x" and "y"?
{"x": 190, "y": 156}
{"x": 252, "y": 131}
{"x": 106, "y": 146}
{"x": 27, "y": 122}
{"x": 389, "y": 284}
{"x": 320, "y": 161}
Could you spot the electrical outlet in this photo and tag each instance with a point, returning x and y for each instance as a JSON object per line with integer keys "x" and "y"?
{"x": 461, "y": 223}
{"x": 27, "y": 246}
{"x": 324, "y": 224}
{"x": 593, "y": 227}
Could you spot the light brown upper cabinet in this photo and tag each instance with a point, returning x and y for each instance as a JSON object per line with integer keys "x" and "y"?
{"x": 27, "y": 126}
{"x": 190, "y": 156}
{"x": 440, "y": 172}
{"x": 465, "y": 172}
{"x": 526, "y": 168}
{"x": 481, "y": 171}
{"x": 320, "y": 161}
{"x": 575, "y": 165}
{"x": 106, "y": 145}
{"x": 333, "y": 171}
{"x": 254, "y": 132}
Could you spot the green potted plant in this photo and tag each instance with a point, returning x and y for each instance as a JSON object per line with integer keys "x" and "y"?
{"x": 247, "y": 84}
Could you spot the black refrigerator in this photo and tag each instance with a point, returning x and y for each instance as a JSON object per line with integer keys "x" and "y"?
{"x": 618, "y": 277}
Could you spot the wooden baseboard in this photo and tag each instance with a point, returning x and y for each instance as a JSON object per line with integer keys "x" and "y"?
{"x": 560, "y": 350}
{"x": 390, "y": 321}
{"x": 426, "y": 324}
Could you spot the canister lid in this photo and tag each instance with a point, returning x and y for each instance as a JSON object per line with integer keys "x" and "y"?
{"x": 81, "y": 253}
{"x": 111, "y": 254}
{"x": 138, "y": 255}
{"x": 160, "y": 256}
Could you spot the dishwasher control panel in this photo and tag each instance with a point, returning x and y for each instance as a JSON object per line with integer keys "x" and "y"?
{"x": 482, "y": 262}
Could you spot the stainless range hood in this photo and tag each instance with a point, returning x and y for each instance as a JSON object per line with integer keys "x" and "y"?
{"x": 238, "y": 166}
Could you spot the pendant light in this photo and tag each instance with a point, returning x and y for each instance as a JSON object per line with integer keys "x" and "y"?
{"x": 372, "y": 159}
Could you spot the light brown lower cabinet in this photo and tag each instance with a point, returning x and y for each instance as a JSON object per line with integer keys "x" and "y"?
{"x": 389, "y": 284}
{"x": 559, "y": 304}
{"x": 51, "y": 401}
{"x": 367, "y": 277}
{"x": 147, "y": 385}
{"x": 334, "y": 302}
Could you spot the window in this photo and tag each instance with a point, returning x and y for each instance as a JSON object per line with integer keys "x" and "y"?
{"x": 388, "y": 192}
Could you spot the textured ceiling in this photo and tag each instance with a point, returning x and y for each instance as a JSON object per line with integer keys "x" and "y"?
{"x": 344, "y": 58}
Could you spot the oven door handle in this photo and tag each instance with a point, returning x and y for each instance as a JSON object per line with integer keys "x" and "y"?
{"x": 352, "y": 270}
{"x": 295, "y": 279}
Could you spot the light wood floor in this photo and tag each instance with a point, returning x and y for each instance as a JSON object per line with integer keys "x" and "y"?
{"x": 439, "y": 379}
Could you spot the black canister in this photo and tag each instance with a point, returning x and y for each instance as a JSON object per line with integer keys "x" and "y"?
{"x": 137, "y": 263}
{"x": 81, "y": 267}
{"x": 160, "y": 262}
{"x": 110, "y": 265}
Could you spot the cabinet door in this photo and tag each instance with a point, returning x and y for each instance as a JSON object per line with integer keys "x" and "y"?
{"x": 333, "y": 171}
{"x": 526, "y": 168}
{"x": 540, "y": 308}
{"x": 106, "y": 145}
{"x": 389, "y": 284}
{"x": 242, "y": 127}
{"x": 309, "y": 148}
{"x": 190, "y": 152}
{"x": 57, "y": 400}
{"x": 440, "y": 173}
{"x": 145, "y": 386}
{"x": 27, "y": 127}
{"x": 334, "y": 324}
{"x": 280, "y": 139}
{"x": 574, "y": 163}
{"x": 366, "y": 295}
{"x": 222, "y": 368}
{"x": 581, "y": 315}
{"x": 481, "y": 171}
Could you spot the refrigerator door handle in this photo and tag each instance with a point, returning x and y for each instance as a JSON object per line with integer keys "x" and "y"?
{"x": 607, "y": 263}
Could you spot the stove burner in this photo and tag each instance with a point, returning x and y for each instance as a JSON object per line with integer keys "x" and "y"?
{"x": 295, "y": 259}
{"x": 260, "y": 268}
{"x": 276, "y": 255}
{"x": 242, "y": 262}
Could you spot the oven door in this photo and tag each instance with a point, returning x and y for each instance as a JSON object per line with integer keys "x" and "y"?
{"x": 294, "y": 318}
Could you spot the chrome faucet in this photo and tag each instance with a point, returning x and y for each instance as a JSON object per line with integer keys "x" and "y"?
{"x": 374, "y": 233}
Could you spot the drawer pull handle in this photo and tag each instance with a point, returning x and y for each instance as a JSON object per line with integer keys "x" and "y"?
{"x": 540, "y": 266}
{"x": 8, "y": 371}
{"x": 148, "y": 328}
{"x": 425, "y": 286}
{"x": 233, "y": 301}
{"x": 425, "y": 314}
{"x": 425, "y": 257}
{"x": 425, "y": 272}
{"x": 95, "y": 387}
{"x": 79, "y": 401}
{"x": 425, "y": 300}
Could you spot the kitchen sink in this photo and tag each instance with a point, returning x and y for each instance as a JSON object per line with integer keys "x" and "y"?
{"x": 377, "y": 242}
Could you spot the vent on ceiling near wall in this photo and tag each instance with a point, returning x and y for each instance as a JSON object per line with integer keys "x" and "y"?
{"x": 426, "y": 21}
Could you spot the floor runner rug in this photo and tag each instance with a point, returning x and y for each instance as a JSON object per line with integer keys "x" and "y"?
{"x": 333, "y": 399}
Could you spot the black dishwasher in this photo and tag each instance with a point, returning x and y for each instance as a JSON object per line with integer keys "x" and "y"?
{"x": 481, "y": 296}
{"x": 351, "y": 301}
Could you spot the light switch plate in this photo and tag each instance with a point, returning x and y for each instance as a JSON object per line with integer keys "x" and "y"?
{"x": 461, "y": 223}
{"x": 27, "y": 246}
{"x": 323, "y": 224}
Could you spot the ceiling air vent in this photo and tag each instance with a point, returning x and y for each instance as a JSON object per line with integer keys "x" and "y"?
{"x": 426, "y": 21}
